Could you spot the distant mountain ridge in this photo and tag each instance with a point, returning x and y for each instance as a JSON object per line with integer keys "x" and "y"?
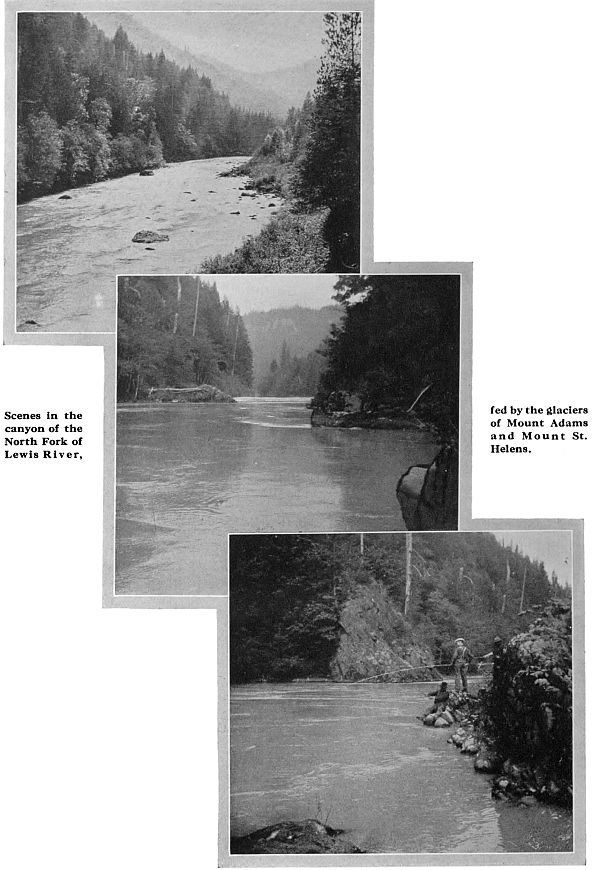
{"x": 301, "y": 329}
{"x": 275, "y": 91}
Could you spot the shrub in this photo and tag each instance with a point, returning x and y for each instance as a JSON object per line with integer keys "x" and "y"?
{"x": 289, "y": 243}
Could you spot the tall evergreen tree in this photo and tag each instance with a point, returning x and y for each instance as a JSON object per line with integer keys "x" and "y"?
{"x": 329, "y": 171}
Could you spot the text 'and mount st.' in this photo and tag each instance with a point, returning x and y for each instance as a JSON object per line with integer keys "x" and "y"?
{"x": 518, "y": 429}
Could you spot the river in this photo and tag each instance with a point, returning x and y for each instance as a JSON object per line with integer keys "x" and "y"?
{"x": 187, "y": 474}
{"x": 354, "y": 755}
{"x": 70, "y": 250}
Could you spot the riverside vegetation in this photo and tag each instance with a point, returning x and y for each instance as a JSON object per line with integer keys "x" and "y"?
{"x": 395, "y": 354}
{"x": 313, "y": 161}
{"x": 176, "y": 333}
{"x": 314, "y": 606}
{"x": 393, "y": 342}
{"x": 92, "y": 108}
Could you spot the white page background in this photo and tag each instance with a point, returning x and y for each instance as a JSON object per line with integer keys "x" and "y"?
{"x": 484, "y": 152}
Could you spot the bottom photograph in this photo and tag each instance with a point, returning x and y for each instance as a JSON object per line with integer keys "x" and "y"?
{"x": 401, "y": 693}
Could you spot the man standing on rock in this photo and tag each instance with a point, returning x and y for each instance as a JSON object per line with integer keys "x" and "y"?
{"x": 460, "y": 662}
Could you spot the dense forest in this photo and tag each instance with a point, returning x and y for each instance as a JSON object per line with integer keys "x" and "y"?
{"x": 177, "y": 332}
{"x": 290, "y": 596}
{"x": 291, "y": 375}
{"x": 313, "y": 160}
{"x": 399, "y": 336}
{"x": 91, "y": 108}
{"x": 285, "y": 342}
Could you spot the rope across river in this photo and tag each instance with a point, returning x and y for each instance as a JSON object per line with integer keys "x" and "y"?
{"x": 428, "y": 667}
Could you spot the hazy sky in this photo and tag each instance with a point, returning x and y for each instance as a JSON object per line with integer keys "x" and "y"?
{"x": 254, "y": 42}
{"x": 263, "y": 292}
{"x": 552, "y": 548}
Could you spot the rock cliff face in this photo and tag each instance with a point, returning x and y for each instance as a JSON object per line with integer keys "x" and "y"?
{"x": 376, "y": 640}
{"x": 521, "y": 727}
{"x": 429, "y": 494}
{"x": 203, "y": 393}
{"x": 530, "y": 709}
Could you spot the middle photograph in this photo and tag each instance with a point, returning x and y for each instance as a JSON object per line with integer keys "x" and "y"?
{"x": 279, "y": 403}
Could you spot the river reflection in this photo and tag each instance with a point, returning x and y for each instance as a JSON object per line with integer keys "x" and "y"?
{"x": 356, "y": 755}
{"x": 189, "y": 474}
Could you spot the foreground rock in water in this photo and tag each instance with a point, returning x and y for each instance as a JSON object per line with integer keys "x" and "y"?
{"x": 428, "y": 494}
{"x": 203, "y": 393}
{"x": 148, "y": 237}
{"x": 308, "y": 837}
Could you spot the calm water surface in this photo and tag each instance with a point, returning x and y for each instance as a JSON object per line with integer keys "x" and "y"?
{"x": 69, "y": 251}
{"x": 187, "y": 474}
{"x": 355, "y": 754}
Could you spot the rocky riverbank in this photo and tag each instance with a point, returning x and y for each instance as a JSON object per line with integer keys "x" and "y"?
{"x": 520, "y": 726}
{"x": 342, "y": 410}
{"x": 202, "y": 393}
{"x": 308, "y": 837}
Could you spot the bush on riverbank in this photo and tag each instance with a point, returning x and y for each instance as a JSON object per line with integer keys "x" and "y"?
{"x": 289, "y": 243}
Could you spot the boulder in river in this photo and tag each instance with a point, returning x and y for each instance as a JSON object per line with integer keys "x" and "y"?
{"x": 146, "y": 172}
{"x": 149, "y": 237}
{"x": 309, "y": 837}
{"x": 65, "y": 196}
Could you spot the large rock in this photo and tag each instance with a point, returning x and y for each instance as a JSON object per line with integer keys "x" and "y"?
{"x": 149, "y": 237}
{"x": 309, "y": 837}
{"x": 429, "y": 494}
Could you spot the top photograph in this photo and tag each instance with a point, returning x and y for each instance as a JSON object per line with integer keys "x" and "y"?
{"x": 160, "y": 142}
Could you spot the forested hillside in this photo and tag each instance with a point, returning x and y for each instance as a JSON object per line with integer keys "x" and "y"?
{"x": 177, "y": 332}
{"x": 284, "y": 343}
{"x": 302, "y": 605}
{"x": 91, "y": 108}
{"x": 272, "y": 90}
{"x": 399, "y": 338}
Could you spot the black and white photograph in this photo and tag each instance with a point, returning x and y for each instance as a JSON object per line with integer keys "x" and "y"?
{"x": 297, "y": 416}
{"x": 405, "y": 693}
{"x": 279, "y": 403}
{"x": 159, "y": 142}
